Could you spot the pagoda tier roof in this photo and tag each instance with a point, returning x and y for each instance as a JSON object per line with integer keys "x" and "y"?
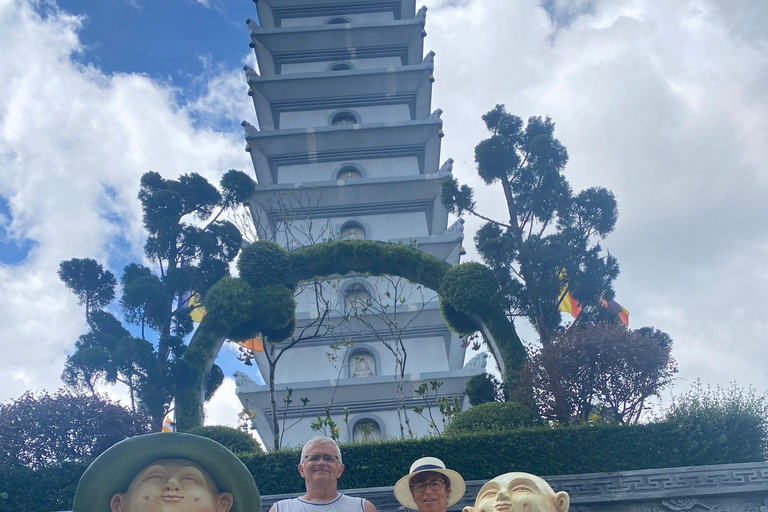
{"x": 357, "y": 198}
{"x": 271, "y": 149}
{"x": 379, "y": 392}
{"x": 341, "y": 89}
{"x": 273, "y": 12}
{"x": 317, "y": 43}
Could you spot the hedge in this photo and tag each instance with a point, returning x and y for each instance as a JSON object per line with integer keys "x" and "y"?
{"x": 540, "y": 451}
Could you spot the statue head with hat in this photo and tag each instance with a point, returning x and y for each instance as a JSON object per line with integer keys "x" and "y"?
{"x": 167, "y": 472}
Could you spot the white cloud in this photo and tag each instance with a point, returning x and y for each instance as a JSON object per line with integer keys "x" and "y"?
{"x": 665, "y": 104}
{"x": 224, "y": 406}
{"x": 68, "y": 135}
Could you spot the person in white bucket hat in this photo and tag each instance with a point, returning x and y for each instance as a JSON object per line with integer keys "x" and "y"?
{"x": 429, "y": 486}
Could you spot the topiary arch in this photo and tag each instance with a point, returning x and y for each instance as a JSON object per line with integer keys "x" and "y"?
{"x": 260, "y": 301}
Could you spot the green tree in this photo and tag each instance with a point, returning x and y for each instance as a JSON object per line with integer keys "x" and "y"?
{"x": 94, "y": 286}
{"x": 549, "y": 237}
{"x": 191, "y": 248}
{"x": 599, "y": 371}
{"x": 45, "y": 430}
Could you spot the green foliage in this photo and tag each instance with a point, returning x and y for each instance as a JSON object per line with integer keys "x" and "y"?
{"x": 493, "y": 417}
{"x": 191, "y": 257}
{"x": 484, "y": 388}
{"x": 44, "y": 430}
{"x": 713, "y": 416}
{"x": 239, "y": 311}
{"x": 233, "y": 439}
{"x": 238, "y": 187}
{"x": 41, "y": 490}
{"x": 372, "y": 257}
{"x": 229, "y": 303}
{"x": 470, "y": 287}
{"x": 276, "y": 310}
{"x": 603, "y": 369}
{"x": 541, "y": 451}
{"x": 549, "y": 237}
{"x": 94, "y": 286}
{"x": 264, "y": 263}
{"x": 448, "y": 408}
{"x": 456, "y": 320}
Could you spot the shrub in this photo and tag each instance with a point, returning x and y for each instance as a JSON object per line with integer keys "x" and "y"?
{"x": 264, "y": 263}
{"x": 493, "y": 417}
{"x": 484, "y": 388}
{"x": 233, "y": 439}
{"x": 712, "y": 416}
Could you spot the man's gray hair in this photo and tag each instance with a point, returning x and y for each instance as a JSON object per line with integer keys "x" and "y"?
{"x": 320, "y": 440}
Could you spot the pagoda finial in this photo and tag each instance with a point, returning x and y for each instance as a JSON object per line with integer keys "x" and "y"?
{"x": 429, "y": 60}
{"x": 422, "y": 13}
{"x": 250, "y": 73}
{"x": 250, "y": 130}
{"x": 447, "y": 166}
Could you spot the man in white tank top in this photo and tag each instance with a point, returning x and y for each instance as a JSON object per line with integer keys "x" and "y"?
{"x": 321, "y": 467}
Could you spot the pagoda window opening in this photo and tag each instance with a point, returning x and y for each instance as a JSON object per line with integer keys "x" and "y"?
{"x": 344, "y": 118}
{"x": 338, "y": 20}
{"x": 341, "y": 66}
{"x": 366, "y": 430}
{"x": 349, "y": 172}
{"x": 357, "y": 296}
{"x": 352, "y": 231}
{"x": 361, "y": 364}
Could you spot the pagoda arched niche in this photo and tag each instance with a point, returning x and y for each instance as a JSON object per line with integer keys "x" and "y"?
{"x": 363, "y": 361}
{"x": 367, "y": 427}
{"x": 260, "y": 301}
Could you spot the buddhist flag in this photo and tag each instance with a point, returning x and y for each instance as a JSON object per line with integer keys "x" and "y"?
{"x": 570, "y": 305}
{"x": 615, "y": 307}
{"x": 198, "y": 311}
{"x": 253, "y": 344}
{"x": 168, "y": 424}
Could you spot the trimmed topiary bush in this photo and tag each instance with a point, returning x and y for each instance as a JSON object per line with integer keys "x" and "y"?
{"x": 233, "y": 439}
{"x": 493, "y": 417}
{"x": 470, "y": 287}
{"x": 456, "y": 320}
{"x": 483, "y": 388}
{"x": 264, "y": 263}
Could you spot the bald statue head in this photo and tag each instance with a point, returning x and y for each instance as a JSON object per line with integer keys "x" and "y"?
{"x": 172, "y": 485}
{"x": 519, "y": 492}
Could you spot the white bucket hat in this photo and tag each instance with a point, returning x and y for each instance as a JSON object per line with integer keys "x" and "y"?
{"x": 403, "y": 489}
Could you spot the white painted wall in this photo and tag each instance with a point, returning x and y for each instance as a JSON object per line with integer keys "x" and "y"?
{"x": 299, "y": 434}
{"x": 424, "y": 355}
{"x": 377, "y": 227}
{"x": 373, "y": 114}
{"x": 373, "y": 17}
{"x": 312, "y": 67}
{"x": 327, "y": 171}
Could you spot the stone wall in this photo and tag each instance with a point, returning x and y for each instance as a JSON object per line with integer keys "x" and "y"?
{"x": 723, "y": 488}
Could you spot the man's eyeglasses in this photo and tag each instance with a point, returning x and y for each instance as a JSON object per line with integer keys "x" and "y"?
{"x": 421, "y": 488}
{"x": 326, "y": 458}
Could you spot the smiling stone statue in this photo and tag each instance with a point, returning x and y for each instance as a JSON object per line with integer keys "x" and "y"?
{"x": 167, "y": 473}
{"x": 519, "y": 492}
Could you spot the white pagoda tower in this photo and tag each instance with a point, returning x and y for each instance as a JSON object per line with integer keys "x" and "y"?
{"x": 348, "y": 147}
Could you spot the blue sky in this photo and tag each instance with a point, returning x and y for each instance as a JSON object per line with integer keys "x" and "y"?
{"x": 665, "y": 103}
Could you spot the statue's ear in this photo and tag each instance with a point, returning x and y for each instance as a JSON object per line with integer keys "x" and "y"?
{"x": 562, "y": 501}
{"x": 224, "y": 503}
{"x": 468, "y": 509}
{"x": 116, "y": 503}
